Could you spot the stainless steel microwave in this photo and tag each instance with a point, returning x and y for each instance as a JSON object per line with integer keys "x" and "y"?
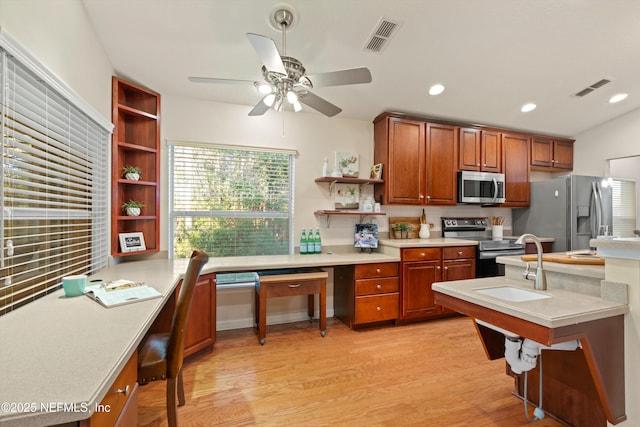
{"x": 480, "y": 187}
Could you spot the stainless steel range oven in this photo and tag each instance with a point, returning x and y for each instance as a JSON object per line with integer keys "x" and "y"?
{"x": 471, "y": 228}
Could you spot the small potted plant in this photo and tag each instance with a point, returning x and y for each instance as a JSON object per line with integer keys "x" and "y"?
{"x": 401, "y": 230}
{"x": 132, "y": 173}
{"x": 132, "y": 207}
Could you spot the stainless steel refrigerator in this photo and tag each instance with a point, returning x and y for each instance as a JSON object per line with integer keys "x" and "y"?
{"x": 571, "y": 209}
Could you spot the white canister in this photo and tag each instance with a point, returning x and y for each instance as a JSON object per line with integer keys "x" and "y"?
{"x": 496, "y": 232}
{"x": 376, "y": 207}
{"x": 425, "y": 231}
{"x": 367, "y": 204}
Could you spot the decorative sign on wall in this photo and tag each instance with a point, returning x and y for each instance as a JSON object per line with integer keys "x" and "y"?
{"x": 347, "y": 196}
{"x": 348, "y": 164}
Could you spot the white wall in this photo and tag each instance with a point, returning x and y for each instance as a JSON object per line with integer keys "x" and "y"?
{"x": 59, "y": 34}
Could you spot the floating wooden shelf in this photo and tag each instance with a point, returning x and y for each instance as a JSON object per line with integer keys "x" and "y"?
{"x": 346, "y": 180}
{"x": 330, "y": 213}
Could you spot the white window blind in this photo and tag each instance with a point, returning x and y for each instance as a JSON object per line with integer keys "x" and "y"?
{"x": 230, "y": 201}
{"x": 624, "y": 207}
{"x": 55, "y": 187}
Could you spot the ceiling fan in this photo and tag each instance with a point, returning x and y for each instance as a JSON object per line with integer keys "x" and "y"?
{"x": 285, "y": 78}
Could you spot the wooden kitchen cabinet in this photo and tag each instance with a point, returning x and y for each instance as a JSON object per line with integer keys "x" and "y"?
{"x": 419, "y": 160}
{"x": 515, "y": 166}
{"x": 421, "y": 267}
{"x": 366, "y": 294}
{"x": 551, "y": 154}
{"x": 135, "y": 142}
{"x": 480, "y": 150}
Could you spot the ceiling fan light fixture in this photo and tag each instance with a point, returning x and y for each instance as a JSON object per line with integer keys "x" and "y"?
{"x": 292, "y": 97}
{"x": 297, "y": 107}
{"x": 264, "y": 88}
{"x": 436, "y": 89}
{"x": 269, "y": 99}
{"x": 617, "y": 98}
{"x": 528, "y": 107}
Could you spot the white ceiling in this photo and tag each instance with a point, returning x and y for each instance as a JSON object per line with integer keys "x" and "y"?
{"x": 492, "y": 55}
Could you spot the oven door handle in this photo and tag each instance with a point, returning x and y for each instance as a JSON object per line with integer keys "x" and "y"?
{"x": 495, "y": 254}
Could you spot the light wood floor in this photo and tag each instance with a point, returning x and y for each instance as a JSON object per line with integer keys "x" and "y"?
{"x": 425, "y": 374}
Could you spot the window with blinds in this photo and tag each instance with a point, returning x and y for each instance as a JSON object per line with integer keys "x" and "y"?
{"x": 230, "y": 201}
{"x": 54, "y": 187}
{"x": 624, "y": 207}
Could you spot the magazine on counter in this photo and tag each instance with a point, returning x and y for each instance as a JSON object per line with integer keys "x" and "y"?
{"x": 121, "y": 292}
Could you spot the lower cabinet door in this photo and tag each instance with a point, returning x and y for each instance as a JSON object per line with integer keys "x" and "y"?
{"x": 376, "y": 308}
{"x": 417, "y": 295}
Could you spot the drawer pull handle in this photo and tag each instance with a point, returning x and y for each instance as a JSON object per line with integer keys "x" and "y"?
{"x": 378, "y": 308}
{"x": 422, "y": 254}
{"x": 125, "y": 390}
{"x": 294, "y": 285}
{"x": 460, "y": 253}
{"x": 378, "y": 286}
{"x": 378, "y": 270}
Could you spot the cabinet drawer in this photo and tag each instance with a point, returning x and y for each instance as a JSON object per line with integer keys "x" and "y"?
{"x": 376, "y": 286}
{"x": 291, "y": 287}
{"x": 420, "y": 254}
{"x": 459, "y": 252}
{"x": 376, "y": 308}
{"x": 123, "y": 390}
{"x": 371, "y": 271}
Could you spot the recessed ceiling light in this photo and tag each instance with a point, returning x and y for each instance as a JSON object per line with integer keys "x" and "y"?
{"x": 436, "y": 89}
{"x": 528, "y": 107}
{"x": 617, "y": 98}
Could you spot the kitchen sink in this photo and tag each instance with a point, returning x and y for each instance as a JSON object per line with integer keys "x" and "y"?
{"x": 510, "y": 293}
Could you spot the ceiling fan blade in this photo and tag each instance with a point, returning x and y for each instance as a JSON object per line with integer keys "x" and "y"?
{"x": 319, "y": 104}
{"x": 213, "y": 80}
{"x": 338, "y": 78}
{"x": 259, "y": 109}
{"x": 268, "y": 53}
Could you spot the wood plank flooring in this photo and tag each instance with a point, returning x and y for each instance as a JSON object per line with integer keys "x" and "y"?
{"x": 424, "y": 374}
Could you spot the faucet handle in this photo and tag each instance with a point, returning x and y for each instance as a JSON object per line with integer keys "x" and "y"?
{"x": 526, "y": 271}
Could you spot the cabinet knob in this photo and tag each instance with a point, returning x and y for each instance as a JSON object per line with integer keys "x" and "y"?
{"x": 422, "y": 254}
{"x": 459, "y": 252}
{"x": 378, "y": 270}
{"x": 378, "y": 286}
{"x": 125, "y": 390}
{"x": 446, "y": 267}
{"x": 378, "y": 308}
{"x": 438, "y": 268}
{"x": 428, "y": 197}
{"x": 478, "y": 165}
{"x": 422, "y": 196}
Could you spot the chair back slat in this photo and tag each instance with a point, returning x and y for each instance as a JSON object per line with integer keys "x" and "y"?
{"x": 175, "y": 345}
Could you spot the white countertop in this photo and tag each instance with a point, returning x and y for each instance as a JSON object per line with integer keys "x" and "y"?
{"x": 562, "y": 309}
{"x": 425, "y": 243}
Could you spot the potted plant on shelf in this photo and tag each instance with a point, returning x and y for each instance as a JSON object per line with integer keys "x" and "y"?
{"x": 132, "y": 173}
{"x": 401, "y": 230}
{"x": 132, "y": 207}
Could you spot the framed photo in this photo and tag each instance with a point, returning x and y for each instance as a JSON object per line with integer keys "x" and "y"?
{"x": 366, "y": 236}
{"x": 347, "y": 196}
{"x": 132, "y": 242}
{"x": 376, "y": 171}
{"x": 348, "y": 164}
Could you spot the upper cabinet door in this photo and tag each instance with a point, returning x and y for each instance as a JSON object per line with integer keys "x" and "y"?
{"x": 551, "y": 154}
{"x": 400, "y": 147}
{"x": 515, "y": 166}
{"x": 442, "y": 159}
{"x": 491, "y": 151}
{"x": 469, "y": 152}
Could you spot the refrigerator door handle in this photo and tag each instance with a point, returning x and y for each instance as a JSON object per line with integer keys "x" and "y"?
{"x": 597, "y": 198}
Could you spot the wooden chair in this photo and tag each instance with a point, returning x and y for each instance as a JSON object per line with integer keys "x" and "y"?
{"x": 160, "y": 356}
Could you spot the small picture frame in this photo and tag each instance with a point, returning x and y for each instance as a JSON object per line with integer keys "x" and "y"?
{"x": 366, "y": 236}
{"x": 132, "y": 242}
{"x": 376, "y": 171}
{"x": 347, "y": 196}
{"x": 348, "y": 164}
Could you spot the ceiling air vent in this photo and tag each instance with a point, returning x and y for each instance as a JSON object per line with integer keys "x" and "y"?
{"x": 593, "y": 87}
{"x": 381, "y": 35}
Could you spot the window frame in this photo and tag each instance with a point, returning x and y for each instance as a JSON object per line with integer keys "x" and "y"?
{"x": 174, "y": 214}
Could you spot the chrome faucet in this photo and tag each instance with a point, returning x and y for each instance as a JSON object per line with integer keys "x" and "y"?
{"x": 539, "y": 278}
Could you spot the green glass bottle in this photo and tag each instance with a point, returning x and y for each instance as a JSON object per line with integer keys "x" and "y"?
{"x": 304, "y": 248}
{"x": 317, "y": 242}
